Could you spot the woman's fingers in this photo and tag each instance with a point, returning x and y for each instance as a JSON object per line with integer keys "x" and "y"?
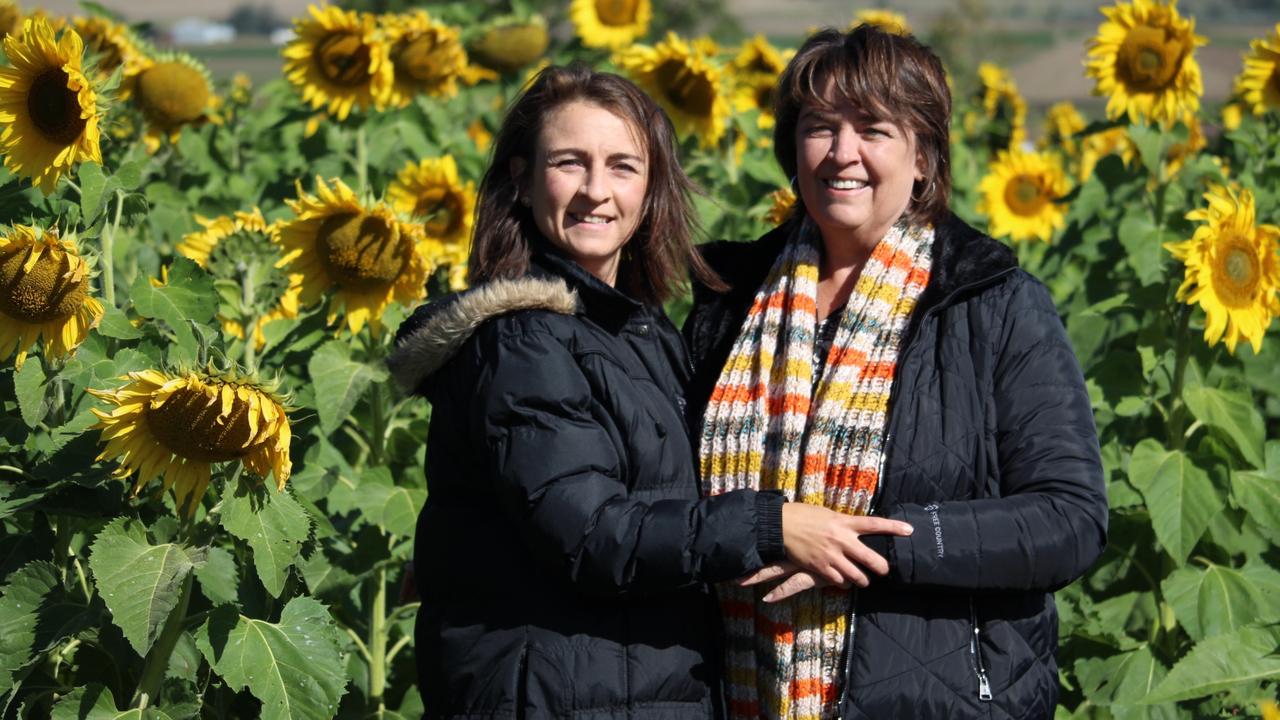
{"x": 868, "y": 558}
{"x": 767, "y": 573}
{"x": 849, "y": 573}
{"x": 867, "y": 525}
{"x": 797, "y": 583}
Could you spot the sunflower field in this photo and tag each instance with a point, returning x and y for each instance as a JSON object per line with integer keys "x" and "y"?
{"x": 209, "y": 486}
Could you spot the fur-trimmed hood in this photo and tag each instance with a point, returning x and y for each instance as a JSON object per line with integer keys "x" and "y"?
{"x": 436, "y": 331}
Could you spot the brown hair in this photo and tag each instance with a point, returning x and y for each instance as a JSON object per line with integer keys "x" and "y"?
{"x": 893, "y": 77}
{"x": 660, "y": 253}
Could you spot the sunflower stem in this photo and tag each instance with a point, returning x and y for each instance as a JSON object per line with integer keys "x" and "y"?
{"x": 157, "y": 661}
{"x": 362, "y": 161}
{"x": 378, "y": 640}
{"x": 1177, "y": 407}
{"x": 378, "y": 434}
{"x": 248, "y": 320}
{"x": 108, "y": 252}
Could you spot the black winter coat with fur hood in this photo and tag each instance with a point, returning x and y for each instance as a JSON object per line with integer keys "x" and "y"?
{"x": 991, "y": 454}
{"x": 563, "y": 552}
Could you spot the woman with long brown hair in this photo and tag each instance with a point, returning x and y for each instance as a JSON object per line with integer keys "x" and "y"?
{"x": 564, "y": 551}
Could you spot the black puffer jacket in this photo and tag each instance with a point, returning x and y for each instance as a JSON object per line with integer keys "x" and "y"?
{"x": 563, "y": 551}
{"x": 991, "y": 454}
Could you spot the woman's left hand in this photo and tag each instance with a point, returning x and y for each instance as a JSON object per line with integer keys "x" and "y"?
{"x": 795, "y": 580}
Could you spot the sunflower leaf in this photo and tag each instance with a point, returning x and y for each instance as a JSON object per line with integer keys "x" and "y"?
{"x": 339, "y": 382}
{"x": 184, "y": 297}
{"x": 1120, "y": 679}
{"x": 28, "y": 385}
{"x": 96, "y": 702}
{"x": 140, "y": 582}
{"x": 1233, "y": 413}
{"x": 20, "y": 603}
{"x": 296, "y": 668}
{"x": 1258, "y": 492}
{"x": 1213, "y": 600}
{"x": 1220, "y": 662}
{"x": 392, "y": 508}
{"x": 218, "y": 577}
{"x": 115, "y": 324}
{"x": 1143, "y": 242}
{"x": 93, "y": 185}
{"x": 1179, "y": 494}
{"x": 274, "y": 525}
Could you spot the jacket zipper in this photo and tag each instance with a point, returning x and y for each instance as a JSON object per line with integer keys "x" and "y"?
{"x": 975, "y": 651}
{"x": 984, "y": 687}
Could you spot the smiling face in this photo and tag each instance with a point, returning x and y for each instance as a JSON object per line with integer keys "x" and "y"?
{"x": 855, "y": 172}
{"x": 586, "y": 185}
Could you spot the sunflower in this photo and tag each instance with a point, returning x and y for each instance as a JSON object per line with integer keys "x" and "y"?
{"x": 886, "y": 20}
{"x": 1232, "y": 268}
{"x": 756, "y": 69}
{"x": 10, "y": 17}
{"x": 1095, "y": 146}
{"x": 1001, "y": 101}
{"x": 367, "y": 256}
{"x": 1061, "y": 123}
{"x": 684, "y": 81}
{"x": 1232, "y": 116}
{"x": 1258, "y": 85}
{"x": 48, "y": 109}
{"x": 612, "y": 24}
{"x": 428, "y": 58}
{"x": 1142, "y": 59}
{"x": 431, "y": 193}
{"x": 178, "y": 425}
{"x": 172, "y": 91}
{"x": 508, "y": 43}
{"x": 44, "y": 294}
{"x": 339, "y": 60}
{"x": 480, "y": 134}
{"x": 112, "y": 43}
{"x": 758, "y": 56}
{"x": 784, "y": 199}
{"x": 1020, "y": 195}
{"x": 1177, "y": 154}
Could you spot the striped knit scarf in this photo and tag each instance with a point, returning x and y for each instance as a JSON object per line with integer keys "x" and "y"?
{"x": 769, "y": 426}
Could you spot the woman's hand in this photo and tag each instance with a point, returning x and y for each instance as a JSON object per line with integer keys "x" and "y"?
{"x": 795, "y": 581}
{"x": 825, "y": 544}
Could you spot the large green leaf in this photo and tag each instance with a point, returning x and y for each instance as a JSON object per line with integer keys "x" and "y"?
{"x": 1233, "y": 413}
{"x": 20, "y": 602}
{"x": 140, "y": 582}
{"x": 274, "y": 525}
{"x": 95, "y": 702}
{"x": 1121, "y": 679}
{"x": 1144, "y": 243}
{"x": 29, "y": 385}
{"x": 1259, "y": 492}
{"x": 1213, "y": 600}
{"x": 339, "y": 382}
{"x": 1219, "y": 662}
{"x": 394, "y": 509}
{"x": 184, "y": 298}
{"x": 296, "y": 668}
{"x": 115, "y": 324}
{"x": 218, "y": 577}
{"x": 1179, "y": 494}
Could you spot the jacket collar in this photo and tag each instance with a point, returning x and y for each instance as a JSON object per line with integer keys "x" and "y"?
{"x": 604, "y": 305}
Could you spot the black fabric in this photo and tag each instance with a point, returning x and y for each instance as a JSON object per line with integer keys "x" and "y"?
{"x": 991, "y": 455}
{"x": 563, "y": 553}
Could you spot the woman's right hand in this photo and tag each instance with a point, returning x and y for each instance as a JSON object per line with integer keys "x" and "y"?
{"x": 826, "y": 543}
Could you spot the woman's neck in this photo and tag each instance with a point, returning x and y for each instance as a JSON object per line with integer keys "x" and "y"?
{"x": 843, "y": 258}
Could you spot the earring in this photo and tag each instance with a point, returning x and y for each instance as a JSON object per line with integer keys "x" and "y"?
{"x": 795, "y": 184}
{"x": 524, "y": 200}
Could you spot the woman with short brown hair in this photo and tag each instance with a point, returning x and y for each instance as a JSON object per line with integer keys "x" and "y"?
{"x": 912, "y": 372}
{"x": 563, "y": 552}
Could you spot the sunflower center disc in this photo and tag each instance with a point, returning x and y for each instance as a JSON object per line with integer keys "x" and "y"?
{"x": 616, "y": 12}
{"x": 358, "y": 251}
{"x": 172, "y": 94}
{"x": 343, "y": 59}
{"x": 55, "y": 108}
{"x": 1237, "y": 275}
{"x": 442, "y": 211}
{"x": 690, "y": 93}
{"x": 1149, "y": 59}
{"x": 764, "y": 96}
{"x": 425, "y": 59}
{"x": 42, "y": 295}
{"x": 1023, "y": 196}
{"x": 187, "y": 423}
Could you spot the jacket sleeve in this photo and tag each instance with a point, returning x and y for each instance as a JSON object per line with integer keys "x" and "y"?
{"x": 559, "y": 479}
{"x": 1050, "y": 522}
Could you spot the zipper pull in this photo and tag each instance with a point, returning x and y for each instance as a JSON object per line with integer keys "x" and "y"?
{"x": 984, "y": 687}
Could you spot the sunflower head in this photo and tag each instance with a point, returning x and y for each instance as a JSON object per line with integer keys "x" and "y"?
{"x": 1142, "y": 60}
{"x": 784, "y": 199}
{"x": 684, "y": 81}
{"x": 177, "y": 425}
{"x": 507, "y": 44}
{"x": 431, "y": 193}
{"x": 111, "y": 43}
{"x": 1095, "y": 146}
{"x": 1258, "y": 84}
{"x": 1061, "y": 123}
{"x": 1002, "y": 105}
{"x": 366, "y": 256}
{"x": 612, "y": 24}
{"x": 339, "y": 60}
{"x": 1020, "y": 195}
{"x": 428, "y": 58}
{"x": 886, "y": 20}
{"x": 48, "y": 108}
{"x": 172, "y": 91}
{"x": 1232, "y": 268}
{"x": 10, "y": 17}
{"x": 44, "y": 294}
